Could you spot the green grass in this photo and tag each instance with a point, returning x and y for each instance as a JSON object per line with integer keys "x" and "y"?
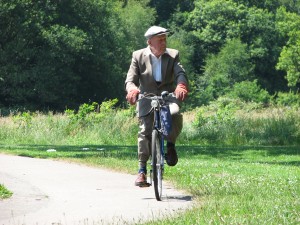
{"x": 232, "y": 185}
{"x": 4, "y": 193}
{"x": 241, "y": 185}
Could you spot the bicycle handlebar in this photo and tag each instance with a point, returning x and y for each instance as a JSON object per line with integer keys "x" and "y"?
{"x": 164, "y": 96}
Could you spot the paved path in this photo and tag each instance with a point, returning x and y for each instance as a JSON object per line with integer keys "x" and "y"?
{"x": 55, "y": 192}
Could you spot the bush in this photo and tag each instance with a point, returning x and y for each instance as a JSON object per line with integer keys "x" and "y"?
{"x": 250, "y": 91}
{"x": 216, "y": 127}
{"x": 91, "y": 113}
{"x": 288, "y": 99}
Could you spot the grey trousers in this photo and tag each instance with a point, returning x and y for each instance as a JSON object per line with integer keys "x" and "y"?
{"x": 145, "y": 133}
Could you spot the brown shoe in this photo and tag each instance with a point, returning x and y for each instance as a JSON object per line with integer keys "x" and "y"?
{"x": 171, "y": 156}
{"x": 141, "y": 179}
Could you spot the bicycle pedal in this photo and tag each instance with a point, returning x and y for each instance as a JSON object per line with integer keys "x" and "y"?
{"x": 144, "y": 185}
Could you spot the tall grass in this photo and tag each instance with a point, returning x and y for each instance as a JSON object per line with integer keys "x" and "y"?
{"x": 113, "y": 128}
{"x": 203, "y": 126}
{"x": 231, "y": 125}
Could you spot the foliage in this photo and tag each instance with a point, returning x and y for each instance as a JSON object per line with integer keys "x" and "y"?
{"x": 138, "y": 17}
{"x": 92, "y": 113}
{"x": 53, "y": 50}
{"x": 288, "y": 99}
{"x": 83, "y": 111}
{"x": 23, "y": 118}
{"x": 249, "y": 91}
{"x": 166, "y": 8}
{"x": 223, "y": 115}
{"x": 178, "y": 41}
{"x": 288, "y": 25}
{"x": 60, "y": 54}
{"x": 290, "y": 59}
{"x": 215, "y": 22}
{"x": 232, "y": 64}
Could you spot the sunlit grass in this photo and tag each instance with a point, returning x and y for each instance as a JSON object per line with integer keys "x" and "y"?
{"x": 239, "y": 185}
{"x": 4, "y": 193}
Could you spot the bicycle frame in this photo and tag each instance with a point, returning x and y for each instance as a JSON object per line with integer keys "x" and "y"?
{"x": 157, "y": 126}
{"x": 157, "y": 143}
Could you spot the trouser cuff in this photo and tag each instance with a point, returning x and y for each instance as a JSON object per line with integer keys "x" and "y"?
{"x": 143, "y": 170}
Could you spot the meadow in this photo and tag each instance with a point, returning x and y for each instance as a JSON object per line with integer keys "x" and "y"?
{"x": 241, "y": 165}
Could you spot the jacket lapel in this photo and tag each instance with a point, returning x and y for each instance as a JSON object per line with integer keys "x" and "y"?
{"x": 164, "y": 65}
{"x": 148, "y": 62}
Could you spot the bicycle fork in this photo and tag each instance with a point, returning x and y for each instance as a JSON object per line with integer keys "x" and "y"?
{"x": 162, "y": 155}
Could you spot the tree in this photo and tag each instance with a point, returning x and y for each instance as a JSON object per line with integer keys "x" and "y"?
{"x": 166, "y": 8}
{"x": 136, "y": 18}
{"x": 57, "y": 54}
{"x": 231, "y": 65}
{"x": 21, "y": 50}
{"x": 289, "y": 61}
{"x": 272, "y": 5}
{"x": 214, "y": 22}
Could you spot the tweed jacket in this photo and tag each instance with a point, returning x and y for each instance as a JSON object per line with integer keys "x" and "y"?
{"x": 140, "y": 76}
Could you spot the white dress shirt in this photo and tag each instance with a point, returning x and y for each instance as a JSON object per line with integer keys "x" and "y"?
{"x": 156, "y": 66}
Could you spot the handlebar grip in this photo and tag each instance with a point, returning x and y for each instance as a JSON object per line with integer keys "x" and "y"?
{"x": 164, "y": 94}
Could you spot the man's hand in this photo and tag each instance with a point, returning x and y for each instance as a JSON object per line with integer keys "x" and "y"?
{"x": 132, "y": 96}
{"x": 181, "y": 91}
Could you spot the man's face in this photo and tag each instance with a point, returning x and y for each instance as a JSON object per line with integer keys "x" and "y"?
{"x": 158, "y": 44}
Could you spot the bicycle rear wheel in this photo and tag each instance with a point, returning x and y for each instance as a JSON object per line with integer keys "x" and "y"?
{"x": 157, "y": 165}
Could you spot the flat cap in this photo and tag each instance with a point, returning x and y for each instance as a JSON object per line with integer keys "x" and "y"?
{"x": 155, "y": 30}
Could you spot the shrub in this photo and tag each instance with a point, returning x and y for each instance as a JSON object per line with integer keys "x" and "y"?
{"x": 90, "y": 113}
{"x": 24, "y": 118}
{"x": 288, "y": 99}
{"x": 249, "y": 91}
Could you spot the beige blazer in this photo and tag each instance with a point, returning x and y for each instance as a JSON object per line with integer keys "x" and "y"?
{"x": 140, "y": 76}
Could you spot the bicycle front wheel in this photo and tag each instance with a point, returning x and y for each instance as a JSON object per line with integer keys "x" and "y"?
{"x": 157, "y": 165}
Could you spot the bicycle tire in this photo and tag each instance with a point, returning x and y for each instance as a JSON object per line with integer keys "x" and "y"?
{"x": 156, "y": 165}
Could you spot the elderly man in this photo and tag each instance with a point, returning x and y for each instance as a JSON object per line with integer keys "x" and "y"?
{"x": 154, "y": 69}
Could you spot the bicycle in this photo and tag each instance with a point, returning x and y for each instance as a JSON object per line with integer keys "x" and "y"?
{"x": 157, "y": 144}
